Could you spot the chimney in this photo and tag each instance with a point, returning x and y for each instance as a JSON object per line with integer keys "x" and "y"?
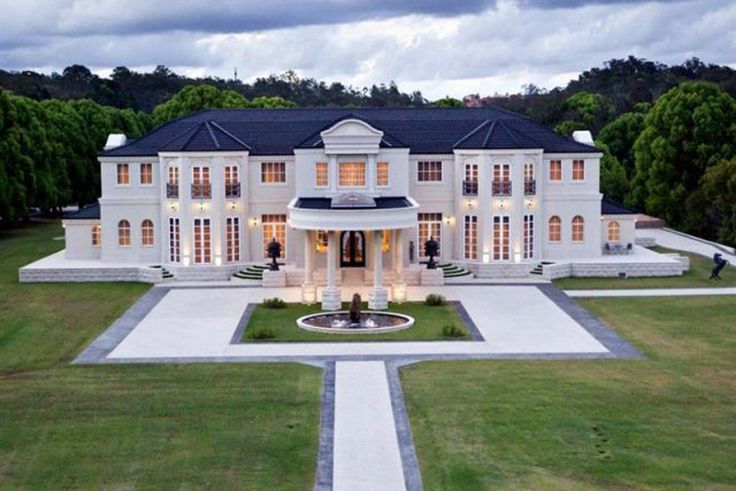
{"x": 115, "y": 140}
{"x": 583, "y": 136}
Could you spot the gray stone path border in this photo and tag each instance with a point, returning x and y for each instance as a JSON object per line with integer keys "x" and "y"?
{"x": 407, "y": 450}
{"x": 102, "y": 346}
{"x": 325, "y": 452}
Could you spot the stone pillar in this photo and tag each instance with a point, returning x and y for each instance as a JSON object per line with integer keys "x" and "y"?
{"x": 398, "y": 287}
{"x": 309, "y": 289}
{"x": 378, "y": 298}
{"x": 331, "y": 294}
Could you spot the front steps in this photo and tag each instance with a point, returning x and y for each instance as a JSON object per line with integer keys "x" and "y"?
{"x": 539, "y": 268}
{"x": 166, "y": 275}
{"x": 450, "y": 270}
{"x": 253, "y": 272}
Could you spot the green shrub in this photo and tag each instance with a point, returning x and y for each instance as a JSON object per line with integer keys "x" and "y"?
{"x": 274, "y": 303}
{"x": 453, "y": 331}
{"x": 435, "y": 300}
{"x": 262, "y": 333}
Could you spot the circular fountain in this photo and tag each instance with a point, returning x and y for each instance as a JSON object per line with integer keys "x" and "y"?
{"x": 354, "y": 321}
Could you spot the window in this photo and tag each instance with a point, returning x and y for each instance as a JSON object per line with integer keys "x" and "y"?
{"x": 530, "y": 184}
{"x": 202, "y": 241}
{"x": 201, "y": 187}
{"x": 501, "y": 180}
{"x": 555, "y": 170}
{"x": 528, "y": 236}
{"x": 470, "y": 183}
{"x": 471, "y": 237}
{"x": 174, "y": 240}
{"x": 232, "y": 184}
{"x": 274, "y": 226}
{"x": 124, "y": 233}
{"x": 578, "y": 226}
{"x": 382, "y": 174}
{"x": 578, "y": 170}
{"x": 555, "y": 232}
{"x": 172, "y": 185}
{"x": 430, "y": 225}
{"x": 96, "y": 235}
{"x": 123, "y": 174}
{"x": 501, "y": 238}
{"x": 147, "y": 233}
{"x": 429, "y": 171}
{"x": 174, "y": 176}
{"x": 385, "y": 241}
{"x": 146, "y": 174}
{"x": 273, "y": 172}
{"x": 322, "y": 174}
{"x": 232, "y": 226}
{"x": 352, "y": 174}
{"x": 529, "y": 171}
{"x": 614, "y": 232}
{"x": 321, "y": 244}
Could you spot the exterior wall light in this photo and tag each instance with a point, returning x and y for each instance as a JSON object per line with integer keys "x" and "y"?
{"x": 218, "y": 260}
{"x": 529, "y": 203}
{"x": 517, "y": 257}
{"x": 502, "y": 204}
{"x": 233, "y": 205}
{"x": 470, "y": 204}
{"x": 174, "y": 206}
{"x": 254, "y": 222}
{"x": 449, "y": 221}
{"x": 185, "y": 261}
{"x": 486, "y": 258}
{"x": 201, "y": 206}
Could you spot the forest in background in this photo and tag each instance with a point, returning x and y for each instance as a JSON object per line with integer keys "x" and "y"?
{"x": 668, "y": 133}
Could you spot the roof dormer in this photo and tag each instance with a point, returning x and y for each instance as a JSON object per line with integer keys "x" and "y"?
{"x": 351, "y": 136}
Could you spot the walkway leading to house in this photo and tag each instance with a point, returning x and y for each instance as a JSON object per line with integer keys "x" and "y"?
{"x": 652, "y": 292}
{"x": 683, "y": 242}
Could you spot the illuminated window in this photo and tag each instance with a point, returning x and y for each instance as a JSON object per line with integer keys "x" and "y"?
{"x": 123, "y": 174}
{"x": 202, "y": 241}
{"x": 555, "y": 229}
{"x": 471, "y": 237}
{"x": 174, "y": 176}
{"x": 352, "y": 174}
{"x": 501, "y": 180}
{"x": 528, "y": 236}
{"x": 322, "y": 174}
{"x": 385, "y": 241}
{"x": 146, "y": 174}
{"x": 146, "y": 233}
{"x": 578, "y": 170}
{"x": 321, "y": 244}
{"x": 614, "y": 232}
{"x": 201, "y": 187}
{"x": 555, "y": 170}
{"x": 232, "y": 225}
{"x": 430, "y": 225}
{"x": 232, "y": 183}
{"x": 124, "y": 233}
{"x": 429, "y": 171}
{"x": 501, "y": 249}
{"x": 274, "y": 226}
{"x": 273, "y": 172}
{"x": 174, "y": 240}
{"x": 578, "y": 226}
{"x": 96, "y": 235}
{"x": 382, "y": 174}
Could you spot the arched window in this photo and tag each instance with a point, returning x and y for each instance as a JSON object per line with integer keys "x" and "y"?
{"x": 555, "y": 232}
{"x": 124, "y": 233}
{"x": 96, "y": 235}
{"x": 147, "y": 233}
{"x": 614, "y": 232}
{"x": 578, "y": 226}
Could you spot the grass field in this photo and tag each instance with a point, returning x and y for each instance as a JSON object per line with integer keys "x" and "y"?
{"x": 696, "y": 277}
{"x": 282, "y": 322}
{"x": 135, "y": 427}
{"x": 666, "y": 422}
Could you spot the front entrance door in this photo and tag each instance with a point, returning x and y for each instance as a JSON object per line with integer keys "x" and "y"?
{"x": 352, "y": 250}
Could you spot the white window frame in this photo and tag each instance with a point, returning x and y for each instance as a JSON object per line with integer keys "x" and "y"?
{"x": 609, "y": 228}
{"x": 201, "y": 247}
{"x": 96, "y": 235}
{"x": 471, "y": 220}
{"x": 572, "y": 172}
{"x": 572, "y": 229}
{"x": 130, "y": 233}
{"x": 174, "y": 240}
{"x": 429, "y": 172}
{"x": 388, "y": 174}
{"x": 140, "y": 175}
{"x": 126, "y": 166}
{"x": 430, "y": 224}
{"x": 264, "y": 172}
{"x": 528, "y": 237}
{"x": 504, "y": 254}
{"x": 317, "y": 176}
{"x": 352, "y": 186}
{"x": 549, "y": 229}
{"x": 153, "y": 233}
{"x": 232, "y": 239}
{"x": 562, "y": 172}
{"x": 265, "y": 240}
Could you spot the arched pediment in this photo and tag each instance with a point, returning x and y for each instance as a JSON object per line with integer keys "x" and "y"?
{"x": 351, "y": 136}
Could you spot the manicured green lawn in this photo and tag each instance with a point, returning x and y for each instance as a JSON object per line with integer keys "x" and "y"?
{"x": 282, "y": 322}
{"x": 135, "y": 427}
{"x": 666, "y": 422}
{"x": 696, "y": 277}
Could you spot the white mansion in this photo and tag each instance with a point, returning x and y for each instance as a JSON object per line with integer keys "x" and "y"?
{"x": 352, "y": 195}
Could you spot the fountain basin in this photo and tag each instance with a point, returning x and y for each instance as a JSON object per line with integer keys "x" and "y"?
{"x": 371, "y": 322}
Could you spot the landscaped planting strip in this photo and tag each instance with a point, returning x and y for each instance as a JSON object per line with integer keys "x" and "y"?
{"x": 409, "y": 461}
{"x": 325, "y": 453}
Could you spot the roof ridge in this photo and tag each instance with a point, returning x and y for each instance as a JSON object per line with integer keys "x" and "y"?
{"x": 212, "y": 135}
{"x": 213, "y": 123}
{"x": 511, "y": 133}
{"x": 189, "y": 140}
{"x": 164, "y": 144}
{"x": 471, "y": 133}
{"x": 488, "y": 135}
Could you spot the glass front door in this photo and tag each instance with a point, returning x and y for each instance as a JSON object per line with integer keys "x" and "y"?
{"x": 352, "y": 249}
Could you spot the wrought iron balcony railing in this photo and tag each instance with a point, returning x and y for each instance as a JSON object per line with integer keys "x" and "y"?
{"x": 530, "y": 187}
{"x": 470, "y": 188}
{"x": 501, "y": 188}
{"x": 202, "y": 191}
{"x": 232, "y": 190}
{"x": 172, "y": 190}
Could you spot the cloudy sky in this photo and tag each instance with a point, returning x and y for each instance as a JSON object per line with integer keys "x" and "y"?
{"x": 441, "y": 47}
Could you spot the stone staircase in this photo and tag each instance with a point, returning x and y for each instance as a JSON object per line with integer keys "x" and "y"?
{"x": 539, "y": 268}
{"x": 450, "y": 270}
{"x": 166, "y": 275}
{"x": 253, "y": 272}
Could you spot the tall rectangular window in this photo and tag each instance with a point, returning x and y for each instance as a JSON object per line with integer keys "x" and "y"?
{"x": 274, "y": 226}
{"x": 578, "y": 170}
{"x": 429, "y": 171}
{"x": 530, "y": 184}
{"x": 96, "y": 235}
{"x": 321, "y": 174}
{"x": 352, "y": 174}
{"x": 232, "y": 226}
{"x": 174, "y": 240}
{"x": 321, "y": 242}
{"x": 201, "y": 187}
{"x": 382, "y": 174}
{"x": 528, "y": 236}
{"x": 202, "y": 241}
{"x": 501, "y": 180}
{"x": 123, "y": 174}
{"x": 232, "y": 182}
{"x": 174, "y": 176}
{"x": 273, "y": 172}
{"x": 501, "y": 238}
{"x": 555, "y": 170}
{"x": 471, "y": 237}
{"x": 470, "y": 181}
{"x": 430, "y": 225}
{"x": 146, "y": 174}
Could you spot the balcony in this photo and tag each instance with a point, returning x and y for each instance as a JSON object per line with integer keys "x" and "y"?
{"x": 232, "y": 190}
{"x": 470, "y": 188}
{"x": 202, "y": 191}
{"x": 172, "y": 190}
{"x": 501, "y": 188}
{"x": 530, "y": 187}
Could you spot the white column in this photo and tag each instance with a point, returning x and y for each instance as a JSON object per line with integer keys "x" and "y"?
{"x": 371, "y": 174}
{"x": 398, "y": 287}
{"x": 378, "y": 298}
{"x": 331, "y": 294}
{"x": 309, "y": 289}
{"x": 333, "y": 172}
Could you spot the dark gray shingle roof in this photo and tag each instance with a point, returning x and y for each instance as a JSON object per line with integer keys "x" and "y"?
{"x": 88, "y": 212}
{"x": 610, "y": 207}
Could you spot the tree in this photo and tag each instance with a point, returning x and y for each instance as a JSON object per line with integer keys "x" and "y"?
{"x": 613, "y": 180}
{"x": 719, "y": 191}
{"x": 448, "y": 101}
{"x": 620, "y": 134}
{"x": 585, "y": 111}
{"x": 270, "y": 103}
{"x": 690, "y": 128}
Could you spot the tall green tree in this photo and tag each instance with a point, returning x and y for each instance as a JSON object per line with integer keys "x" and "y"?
{"x": 719, "y": 192}
{"x": 585, "y": 110}
{"x": 620, "y": 134}
{"x": 448, "y": 101}
{"x": 613, "y": 180}
{"x": 690, "y": 128}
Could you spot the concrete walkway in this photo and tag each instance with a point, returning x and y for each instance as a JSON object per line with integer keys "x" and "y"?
{"x": 671, "y": 240}
{"x": 652, "y": 292}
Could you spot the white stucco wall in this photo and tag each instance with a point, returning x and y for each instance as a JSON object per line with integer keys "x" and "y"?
{"x": 78, "y": 239}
